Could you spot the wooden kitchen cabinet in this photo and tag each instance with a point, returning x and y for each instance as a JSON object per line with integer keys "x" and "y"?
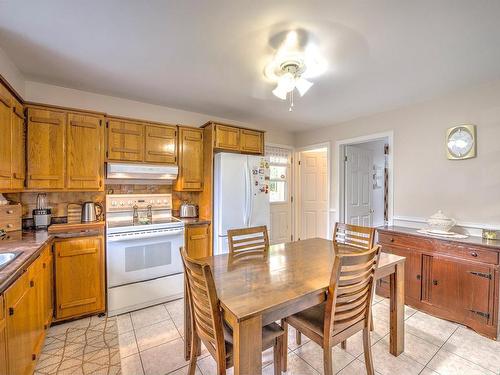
{"x": 190, "y": 176}
{"x": 450, "y": 279}
{"x": 161, "y": 144}
{"x": 125, "y": 140}
{"x": 251, "y": 141}
{"x": 79, "y": 276}
{"x": 198, "y": 240}
{"x": 227, "y": 137}
{"x": 5, "y": 138}
{"x": 46, "y": 148}
{"x": 18, "y": 140}
{"x": 20, "y": 302}
{"x": 3, "y": 338}
{"x": 47, "y": 281}
{"x": 85, "y": 152}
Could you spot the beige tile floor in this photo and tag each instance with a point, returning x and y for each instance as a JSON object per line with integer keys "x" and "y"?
{"x": 150, "y": 342}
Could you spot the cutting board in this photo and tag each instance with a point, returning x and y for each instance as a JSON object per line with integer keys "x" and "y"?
{"x": 74, "y": 213}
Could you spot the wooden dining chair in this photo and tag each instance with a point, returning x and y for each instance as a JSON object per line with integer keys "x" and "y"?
{"x": 347, "y": 309}
{"x": 352, "y": 235}
{"x": 248, "y": 242}
{"x": 208, "y": 325}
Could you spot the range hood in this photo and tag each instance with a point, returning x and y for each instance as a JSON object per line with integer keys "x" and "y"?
{"x": 140, "y": 173}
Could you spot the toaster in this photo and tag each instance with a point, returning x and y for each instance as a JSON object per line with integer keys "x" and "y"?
{"x": 188, "y": 210}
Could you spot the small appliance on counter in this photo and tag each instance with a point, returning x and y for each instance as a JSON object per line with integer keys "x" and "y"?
{"x": 188, "y": 210}
{"x": 91, "y": 212}
{"x": 42, "y": 214}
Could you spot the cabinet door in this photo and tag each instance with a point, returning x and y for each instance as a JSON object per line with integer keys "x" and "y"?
{"x": 190, "y": 160}
{"x": 227, "y": 138}
{"x": 251, "y": 141}
{"x": 477, "y": 292}
{"x": 198, "y": 241}
{"x": 20, "y": 303}
{"x": 161, "y": 144}
{"x": 46, "y": 144}
{"x": 85, "y": 152}
{"x": 442, "y": 282}
{"x": 125, "y": 141}
{"x": 47, "y": 286}
{"x": 37, "y": 315}
{"x": 79, "y": 276}
{"x": 3, "y": 338}
{"x": 5, "y": 138}
{"x": 18, "y": 146}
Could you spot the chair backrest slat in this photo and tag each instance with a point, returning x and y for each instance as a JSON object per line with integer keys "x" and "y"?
{"x": 354, "y": 235}
{"x": 351, "y": 290}
{"x": 248, "y": 242}
{"x": 206, "y": 318}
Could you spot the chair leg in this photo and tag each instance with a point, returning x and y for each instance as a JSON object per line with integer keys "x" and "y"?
{"x": 278, "y": 355}
{"x": 367, "y": 347}
{"x": 298, "y": 338}
{"x": 371, "y": 323}
{"x": 284, "y": 351}
{"x": 327, "y": 361}
{"x": 343, "y": 344}
{"x": 195, "y": 345}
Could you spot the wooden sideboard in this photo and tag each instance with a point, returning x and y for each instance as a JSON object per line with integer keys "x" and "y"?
{"x": 456, "y": 280}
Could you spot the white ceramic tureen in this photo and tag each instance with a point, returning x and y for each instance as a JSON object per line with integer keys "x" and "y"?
{"x": 440, "y": 222}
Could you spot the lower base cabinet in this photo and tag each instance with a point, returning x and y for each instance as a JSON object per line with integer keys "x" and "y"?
{"x": 197, "y": 240}
{"x": 448, "y": 279}
{"x": 26, "y": 316}
{"x": 79, "y": 276}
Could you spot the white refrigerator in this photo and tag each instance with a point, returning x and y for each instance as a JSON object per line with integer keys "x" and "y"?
{"x": 241, "y": 195}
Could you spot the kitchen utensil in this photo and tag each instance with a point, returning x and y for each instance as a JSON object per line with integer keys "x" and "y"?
{"x": 91, "y": 211}
{"x": 440, "y": 221}
{"x": 188, "y": 210}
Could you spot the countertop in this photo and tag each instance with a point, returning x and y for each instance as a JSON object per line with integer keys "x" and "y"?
{"x": 29, "y": 243}
{"x": 193, "y": 221}
{"x": 478, "y": 241}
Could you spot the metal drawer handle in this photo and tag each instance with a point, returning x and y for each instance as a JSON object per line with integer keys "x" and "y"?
{"x": 474, "y": 254}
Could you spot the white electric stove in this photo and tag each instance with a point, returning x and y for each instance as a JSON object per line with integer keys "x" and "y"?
{"x": 143, "y": 241}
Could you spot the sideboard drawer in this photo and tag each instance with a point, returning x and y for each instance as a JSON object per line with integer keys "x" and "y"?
{"x": 413, "y": 242}
{"x": 468, "y": 252}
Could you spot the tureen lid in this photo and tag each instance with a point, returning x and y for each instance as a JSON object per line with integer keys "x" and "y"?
{"x": 440, "y": 216}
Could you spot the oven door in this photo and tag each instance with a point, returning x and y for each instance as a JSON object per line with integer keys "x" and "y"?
{"x": 146, "y": 255}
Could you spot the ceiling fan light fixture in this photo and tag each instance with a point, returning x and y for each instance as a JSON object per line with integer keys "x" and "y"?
{"x": 303, "y": 85}
{"x": 279, "y": 92}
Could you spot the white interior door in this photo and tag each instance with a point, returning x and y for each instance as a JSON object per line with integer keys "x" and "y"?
{"x": 280, "y": 229}
{"x": 313, "y": 220}
{"x": 358, "y": 186}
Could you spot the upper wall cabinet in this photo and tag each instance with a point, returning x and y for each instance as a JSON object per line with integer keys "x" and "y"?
{"x": 65, "y": 150}
{"x": 190, "y": 160}
{"x": 18, "y": 139}
{"x": 161, "y": 144}
{"x": 5, "y": 138}
{"x": 125, "y": 140}
{"x": 136, "y": 141}
{"x": 231, "y": 138}
{"x": 85, "y": 151}
{"x": 46, "y": 148}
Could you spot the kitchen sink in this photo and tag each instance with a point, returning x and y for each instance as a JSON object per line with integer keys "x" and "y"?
{"x": 6, "y": 258}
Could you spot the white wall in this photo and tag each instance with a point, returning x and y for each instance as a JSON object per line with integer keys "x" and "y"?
{"x": 424, "y": 180}
{"x": 10, "y": 72}
{"x": 56, "y": 95}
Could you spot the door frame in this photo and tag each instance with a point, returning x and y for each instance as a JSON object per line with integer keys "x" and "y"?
{"x": 291, "y": 182}
{"x": 340, "y": 171}
{"x": 297, "y": 191}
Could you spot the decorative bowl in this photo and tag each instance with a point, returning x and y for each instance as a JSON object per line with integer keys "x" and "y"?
{"x": 441, "y": 222}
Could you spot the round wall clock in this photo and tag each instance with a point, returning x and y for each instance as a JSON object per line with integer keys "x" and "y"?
{"x": 461, "y": 142}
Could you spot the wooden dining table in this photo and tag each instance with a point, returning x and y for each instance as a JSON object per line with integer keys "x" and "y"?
{"x": 293, "y": 276}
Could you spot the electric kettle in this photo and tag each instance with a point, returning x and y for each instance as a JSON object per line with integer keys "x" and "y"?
{"x": 91, "y": 212}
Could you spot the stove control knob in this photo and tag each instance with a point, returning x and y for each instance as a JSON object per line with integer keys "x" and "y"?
{"x": 122, "y": 203}
{"x": 165, "y": 201}
{"x": 158, "y": 201}
{"x": 113, "y": 203}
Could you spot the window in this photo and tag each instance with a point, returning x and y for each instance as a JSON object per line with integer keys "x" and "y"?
{"x": 279, "y": 167}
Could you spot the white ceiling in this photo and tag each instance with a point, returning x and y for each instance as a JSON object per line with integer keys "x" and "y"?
{"x": 209, "y": 56}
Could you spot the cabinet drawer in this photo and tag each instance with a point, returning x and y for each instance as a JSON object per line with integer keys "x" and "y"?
{"x": 419, "y": 243}
{"x": 10, "y": 225}
{"x": 11, "y": 210}
{"x": 468, "y": 252}
{"x": 10, "y": 217}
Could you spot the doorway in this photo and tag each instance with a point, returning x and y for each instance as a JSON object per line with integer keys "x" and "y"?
{"x": 313, "y": 193}
{"x": 365, "y": 181}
